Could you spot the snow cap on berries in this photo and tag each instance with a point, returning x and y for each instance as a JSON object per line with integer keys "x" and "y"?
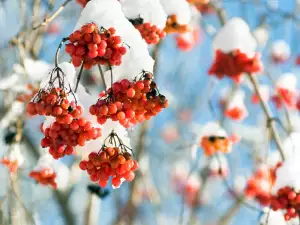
{"x": 46, "y": 161}
{"x": 13, "y": 158}
{"x": 212, "y": 129}
{"x": 280, "y": 49}
{"x": 237, "y": 100}
{"x": 287, "y": 81}
{"x": 288, "y": 174}
{"x": 150, "y": 10}
{"x": 235, "y": 34}
{"x": 137, "y": 57}
{"x": 180, "y": 8}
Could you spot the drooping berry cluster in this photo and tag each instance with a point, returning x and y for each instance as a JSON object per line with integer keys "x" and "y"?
{"x": 234, "y": 64}
{"x": 214, "y": 144}
{"x": 91, "y": 45}
{"x": 130, "y": 102}
{"x": 172, "y": 25}
{"x": 287, "y": 199}
{"x": 45, "y": 177}
{"x": 115, "y": 162}
{"x": 82, "y": 2}
{"x": 150, "y": 32}
{"x": 53, "y": 101}
{"x": 62, "y": 138}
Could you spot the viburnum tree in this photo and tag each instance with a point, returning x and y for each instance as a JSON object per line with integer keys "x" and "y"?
{"x": 149, "y": 111}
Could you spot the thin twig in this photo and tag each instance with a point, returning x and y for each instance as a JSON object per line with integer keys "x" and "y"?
{"x": 79, "y": 77}
{"x": 102, "y": 76}
{"x": 268, "y": 114}
{"x": 58, "y": 50}
{"x": 53, "y": 16}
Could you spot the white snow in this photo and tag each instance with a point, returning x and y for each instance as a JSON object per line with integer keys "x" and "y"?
{"x": 35, "y": 70}
{"x": 150, "y": 10}
{"x": 281, "y": 49}
{"x": 180, "y": 8}
{"x": 212, "y": 129}
{"x": 273, "y": 218}
{"x": 287, "y": 81}
{"x": 235, "y": 34}
{"x": 17, "y": 109}
{"x": 15, "y": 154}
{"x": 261, "y": 35}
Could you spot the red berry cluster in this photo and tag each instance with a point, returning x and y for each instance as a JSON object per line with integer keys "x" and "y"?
{"x": 55, "y": 103}
{"x": 53, "y": 100}
{"x": 150, "y": 32}
{"x": 287, "y": 199}
{"x": 130, "y": 102}
{"x": 259, "y": 186}
{"x": 115, "y": 162}
{"x": 284, "y": 97}
{"x": 82, "y": 2}
{"x": 62, "y": 138}
{"x": 93, "y": 46}
{"x": 234, "y": 65}
{"x": 44, "y": 177}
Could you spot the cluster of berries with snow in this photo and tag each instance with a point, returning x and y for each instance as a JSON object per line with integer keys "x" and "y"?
{"x": 130, "y": 102}
{"x": 235, "y": 108}
{"x": 150, "y": 32}
{"x": 91, "y": 45}
{"x": 214, "y": 139}
{"x": 45, "y": 176}
{"x": 13, "y": 159}
{"x": 213, "y": 144}
{"x": 286, "y": 91}
{"x": 234, "y": 64}
{"x": 113, "y": 160}
{"x": 62, "y": 138}
{"x": 69, "y": 128}
{"x": 280, "y": 51}
{"x": 56, "y": 101}
{"x": 260, "y": 184}
{"x": 186, "y": 41}
{"x": 172, "y": 25}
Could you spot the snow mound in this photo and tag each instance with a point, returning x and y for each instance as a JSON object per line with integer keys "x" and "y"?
{"x": 234, "y": 35}
{"x": 180, "y": 8}
{"x": 150, "y": 10}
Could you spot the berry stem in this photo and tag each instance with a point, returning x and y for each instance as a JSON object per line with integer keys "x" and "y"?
{"x": 58, "y": 50}
{"x": 267, "y": 111}
{"x": 79, "y": 76}
{"x": 102, "y": 76}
